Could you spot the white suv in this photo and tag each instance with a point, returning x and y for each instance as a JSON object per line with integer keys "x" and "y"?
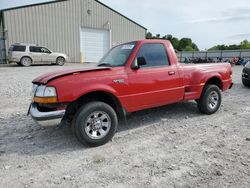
{"x": 27, "y": 54}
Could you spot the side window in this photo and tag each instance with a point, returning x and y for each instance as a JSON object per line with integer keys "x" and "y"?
{"x": 35, "y": 49}
{"x": 154, "y": 54}
{"x": 19, "y": 48}
{"x": 45, "y": 50}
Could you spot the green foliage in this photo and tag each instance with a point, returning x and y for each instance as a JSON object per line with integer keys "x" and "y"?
{"x": 149, "y": 35}
{"x": 184, "y": 44}
{"x": 245, "y": 44}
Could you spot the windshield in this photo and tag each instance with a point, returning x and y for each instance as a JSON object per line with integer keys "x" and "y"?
{"x": 118, "y": 55}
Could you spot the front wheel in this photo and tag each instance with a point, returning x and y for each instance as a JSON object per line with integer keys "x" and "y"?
{"x": 60, "y": 61}
{"x": 95, "y": 124}
{"x": 210, "y": 99}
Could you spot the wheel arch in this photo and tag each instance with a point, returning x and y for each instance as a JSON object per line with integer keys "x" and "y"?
{"x": 215, "y": 80}
{"x": 60, "y": 56}
{"x": 100, "y": 95}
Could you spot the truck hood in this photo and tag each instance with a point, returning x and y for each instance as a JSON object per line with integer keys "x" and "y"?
{"x": 45, "y": 78}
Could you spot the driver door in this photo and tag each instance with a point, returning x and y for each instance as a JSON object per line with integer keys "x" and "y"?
{"x": 154, "y": 84}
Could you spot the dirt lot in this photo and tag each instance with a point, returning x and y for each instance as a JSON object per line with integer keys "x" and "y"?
{"x": 172, "y": 146}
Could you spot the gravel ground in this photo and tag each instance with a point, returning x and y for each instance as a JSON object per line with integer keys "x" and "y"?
{"x": 171, "y": 146}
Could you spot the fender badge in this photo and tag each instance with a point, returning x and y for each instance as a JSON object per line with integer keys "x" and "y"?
{"x": 119, "y": 81}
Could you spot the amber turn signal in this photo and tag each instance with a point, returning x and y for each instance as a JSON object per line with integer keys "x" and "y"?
{"x": 45, "y": 100}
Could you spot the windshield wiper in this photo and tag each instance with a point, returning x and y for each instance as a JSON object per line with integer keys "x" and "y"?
{"x": 104, "y": 65}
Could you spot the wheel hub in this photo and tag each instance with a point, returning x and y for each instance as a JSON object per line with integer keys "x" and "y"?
{"x": 26, "y": 61}
{"x": 213, "y": 100}
{"x": 97, "y": 125}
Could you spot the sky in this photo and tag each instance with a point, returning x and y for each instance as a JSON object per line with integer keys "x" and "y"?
{"x": 207, "y": 23}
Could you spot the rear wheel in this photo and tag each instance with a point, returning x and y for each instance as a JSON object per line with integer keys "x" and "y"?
{"x": 95, "y": 124}
{"x": 26, "y": 61}
{"x": 210, "y": 99}
{"x": 60, "y": 61}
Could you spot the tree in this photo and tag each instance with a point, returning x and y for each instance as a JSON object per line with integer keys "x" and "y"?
{"x": 158, "y": 36}
{"x": 149, "y": 35}
{"x": 183, "y": 44}
{"x": 175, "y": 42}
{"x": 245, "y": 44}
{"x": 186, "y": 44}
{"x": 195, "y": 47}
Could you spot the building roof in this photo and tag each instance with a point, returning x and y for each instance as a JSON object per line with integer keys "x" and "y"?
{"x": 121, "y": 14}
{"x": 58, "y": 1}
{"x": 31, "y": 5}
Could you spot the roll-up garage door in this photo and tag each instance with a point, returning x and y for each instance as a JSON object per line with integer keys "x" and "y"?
{"x": 95, "y": 43}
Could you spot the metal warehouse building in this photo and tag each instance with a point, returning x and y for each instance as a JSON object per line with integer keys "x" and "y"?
{"x": 82, "y": 29}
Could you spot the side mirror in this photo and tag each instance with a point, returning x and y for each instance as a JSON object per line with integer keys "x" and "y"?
{"x": 140, "y": 61}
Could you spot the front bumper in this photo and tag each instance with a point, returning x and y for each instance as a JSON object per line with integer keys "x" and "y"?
{"x": 67, "y": 59}
{"x": 46, "y": 119}
{"x": 227, "y": 84}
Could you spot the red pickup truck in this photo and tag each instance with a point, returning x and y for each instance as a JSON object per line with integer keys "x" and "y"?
{"x": 131, "y": 77}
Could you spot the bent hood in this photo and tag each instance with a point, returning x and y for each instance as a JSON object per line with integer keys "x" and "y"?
{"x": 45, "y": 78}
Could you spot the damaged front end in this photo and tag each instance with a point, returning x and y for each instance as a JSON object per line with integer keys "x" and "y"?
{"x": 45, "y": 109}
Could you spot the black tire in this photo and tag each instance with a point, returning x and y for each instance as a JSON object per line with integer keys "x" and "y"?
{"x": 246, "y": 83}
{"x": 18, "y": 63}
{"x": 26, "y": 61}
{"x": 210, "y": 99}
{"x": 60, "y": 61}
{"x": 85, "y": 131}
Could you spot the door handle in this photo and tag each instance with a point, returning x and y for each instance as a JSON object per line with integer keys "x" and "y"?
{"x": 171, "y": 73}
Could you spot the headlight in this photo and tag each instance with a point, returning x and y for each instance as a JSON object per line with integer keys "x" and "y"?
{"x": 40, "y": 91}
{"x": 45, "y": 95}
{"x": 49, "y": 92}
{"x": 248, "y": 65}
{"x": 43, "y": 91}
